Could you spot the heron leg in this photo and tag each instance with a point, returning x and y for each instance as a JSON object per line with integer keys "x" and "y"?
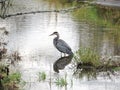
{"x": 64, "y": 54}
{"x": 61, "y": 54}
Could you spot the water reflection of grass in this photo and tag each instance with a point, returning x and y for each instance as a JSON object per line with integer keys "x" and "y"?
{"x": 61, "y": 81}
{"x": 97, "y": 16}
{"x": 93, "y": 74}
{"x": 92, "y": 14}
{"x": 89, "y": 73}
{"x": 62, "y": 3}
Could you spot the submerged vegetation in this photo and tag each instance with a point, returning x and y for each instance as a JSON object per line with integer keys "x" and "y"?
{"x": 61, "y": 81}
{"x": 41, "y": 76}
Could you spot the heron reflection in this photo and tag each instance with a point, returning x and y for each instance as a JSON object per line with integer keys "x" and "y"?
{"x": 62, "y": 62}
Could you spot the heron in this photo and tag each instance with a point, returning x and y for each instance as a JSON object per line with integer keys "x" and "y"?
{"x": 61, "y": 45}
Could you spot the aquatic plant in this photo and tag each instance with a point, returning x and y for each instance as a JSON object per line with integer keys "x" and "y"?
{"x": 89, "y": 63}
{"x": 41, "y": 76}
{"x": 116, "y": 69}
{"x": 61, "y": 81}
{"x": 87, "y": 56}
{"x": 8, "y": 80}
{"x": 11, "y": 79}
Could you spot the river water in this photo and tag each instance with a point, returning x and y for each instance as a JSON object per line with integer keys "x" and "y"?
{"x": 29, "y": 35}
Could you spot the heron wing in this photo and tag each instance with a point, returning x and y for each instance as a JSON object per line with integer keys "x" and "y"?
{"x": 63, "y": 45}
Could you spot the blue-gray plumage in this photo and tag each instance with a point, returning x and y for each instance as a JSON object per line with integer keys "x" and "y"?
{"x": 61, "y": 45}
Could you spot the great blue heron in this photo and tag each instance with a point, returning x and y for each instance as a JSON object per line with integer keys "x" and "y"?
{"x": 61, "y": 45}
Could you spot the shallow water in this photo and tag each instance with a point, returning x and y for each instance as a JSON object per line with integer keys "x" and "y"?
{"x": 29, "y": 34}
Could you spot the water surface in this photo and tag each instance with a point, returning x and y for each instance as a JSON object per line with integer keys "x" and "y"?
{"x": 29, "y": 34}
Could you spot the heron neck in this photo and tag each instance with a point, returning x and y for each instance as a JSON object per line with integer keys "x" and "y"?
{"x": 55, "y": 41}
{"x": 57, "y": 36}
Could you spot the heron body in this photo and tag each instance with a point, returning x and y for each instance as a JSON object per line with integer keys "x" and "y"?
{"x": 61, "y": 45}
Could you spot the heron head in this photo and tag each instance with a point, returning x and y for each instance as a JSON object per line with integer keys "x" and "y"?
{"x": 54, "y": 33}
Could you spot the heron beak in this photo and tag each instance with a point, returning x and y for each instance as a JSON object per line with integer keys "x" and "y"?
{"x": 51, "y": 34}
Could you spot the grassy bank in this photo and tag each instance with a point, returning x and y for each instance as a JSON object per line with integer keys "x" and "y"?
{"x": 86, "y": 58}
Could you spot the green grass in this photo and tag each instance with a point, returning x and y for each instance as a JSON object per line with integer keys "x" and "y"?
{"x": 15, "y": 77}
{"x": 11, "y": 80}
{"x": 41, "y": 76}
{"x": 8, "y": 80}
{"x": 87, "y": 56}
{"x": 61, "y": 81}
{"x": 116, "y": 69}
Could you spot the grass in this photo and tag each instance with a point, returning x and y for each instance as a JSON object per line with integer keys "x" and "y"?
{"x": 90, "y": 64}
{"x": 41, "y": 76}
{"x": 87, "y": 56}
{"x": 11, "y": 81}
{"x": 61, "y": 81}
{"x": 116, "y": 69}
